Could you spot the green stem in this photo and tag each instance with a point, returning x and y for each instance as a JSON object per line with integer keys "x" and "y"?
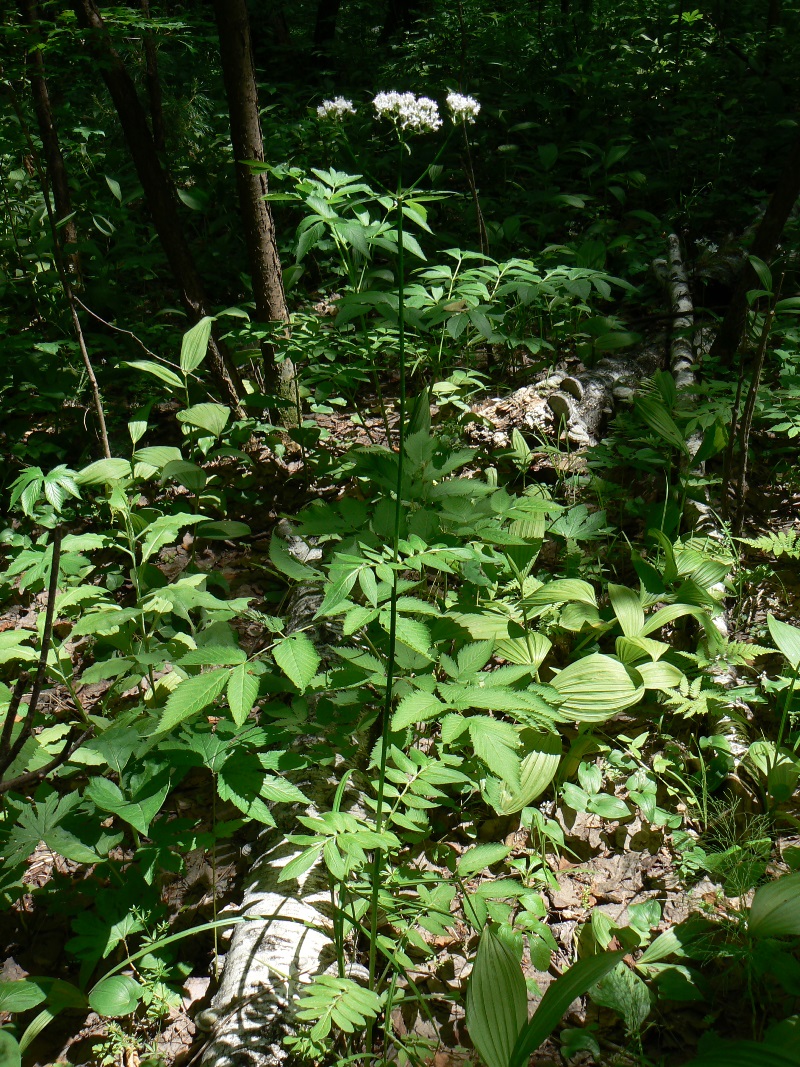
{"x": 378, "y": 861}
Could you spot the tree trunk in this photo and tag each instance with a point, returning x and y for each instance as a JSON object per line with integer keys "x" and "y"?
{"x": 233, "y": 27}
{"x": 153, "y": 84}
{"x": 764, "y": 244}
{"x": 54, "y": 160}
{"x": 158, "y": 190}
{"x": 325, "y": 25}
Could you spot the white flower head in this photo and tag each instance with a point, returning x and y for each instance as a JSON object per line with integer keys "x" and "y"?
{"x": 409, "y": 112}
{"x": 462, "y": 108}
{"x": 335, "y": 109}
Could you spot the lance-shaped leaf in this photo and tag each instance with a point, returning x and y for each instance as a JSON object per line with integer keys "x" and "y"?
{"x": 560, "y": 994}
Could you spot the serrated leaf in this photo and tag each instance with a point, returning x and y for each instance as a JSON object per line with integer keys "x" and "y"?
{"x": 298, "y": 659}
{"x": 417, "y": 707}
{"x": 414, "y": 634}
{"x": 495, "y": 742}
{"x": 191, "y": 696}
{"x": 213, "y": 656}
{"x": 241, "y": 692}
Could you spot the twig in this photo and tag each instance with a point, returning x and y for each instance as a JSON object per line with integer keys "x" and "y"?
{"x": 71, "y": 744}
{"x": 119, "y": 329}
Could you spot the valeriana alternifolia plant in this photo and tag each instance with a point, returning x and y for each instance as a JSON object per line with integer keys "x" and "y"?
{"x": 409, "y": 112}
{"x": 462, "y": 108}
{"x": 336, "y": 109}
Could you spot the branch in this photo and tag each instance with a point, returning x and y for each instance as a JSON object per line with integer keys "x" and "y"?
{"x": 9, "y": 754}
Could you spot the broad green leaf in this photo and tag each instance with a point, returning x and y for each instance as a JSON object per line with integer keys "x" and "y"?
{"x": 497, "y": 1000}
{"x": 189, "y": 475}
{"x": 670, "y": 613}
{"x": 479, "y": 857}
{"x": 213, "y": 418}
{"x": 417, "y": 707}
{"x": 595, "y": 688}
{"x": 661, "y": 675}
{"x": 787, "y": 638}
{"x": 103, "y": 471}
{"x": 114, "y": 186}
{"x": 775, "y": 911}
{"x": 195, "y": 345}
{"x": 628, "y": 609}
{"x": 222, "y": 530}
{"x": 191, "y": 696}
{"x": 242, "y": 692}
{"x": 746, "y": 1054}
{"x": 284, "y": 561}
{"x": 622, "y": 990}
{"x": 608, "y": 806}
{"x": 298, "y": 659}
{"x": 22, "y": 995}
{"x": 157, "y": 456}
{"x": 557, "y": 999}
{"x": 537, "y": 770}
{"x": 561, "y": 591}
{"x": 157, "y": 370}
{"x": 116, "y": 996}
{"x": 10, "y": 1052}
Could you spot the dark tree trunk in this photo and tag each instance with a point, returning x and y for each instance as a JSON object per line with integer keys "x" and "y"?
{"x": 325, "y": 26}
{"x": 233, "y": 27}
{"x": 765, "y": 242}
{"x": 153, "y": 84}
{"x": 54, "y": 160}
{"x": 158, "y": 190}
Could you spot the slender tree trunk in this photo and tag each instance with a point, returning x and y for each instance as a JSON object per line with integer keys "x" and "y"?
{"x": 54, "y": 160}
{"x": 764, "y": 244}
{"x": 233, "y": 27}
{"x": 158, "y": 190}
{"x": 325, "y": 25}
{"x": 153, "y": 84}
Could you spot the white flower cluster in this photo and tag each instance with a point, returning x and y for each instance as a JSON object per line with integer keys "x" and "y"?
{"x": 408, "y": 111}
{"x": 462, "y": 108}
{"x": 335, "y": 109}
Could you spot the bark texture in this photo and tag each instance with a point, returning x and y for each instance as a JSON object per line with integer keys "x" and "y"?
{"x": 154, "y": 94}
{"x": 765, "y": 242}
{"x": 53, "y": 158}
{"x": 233, "y": 28}
{"x": 158, "y": 189}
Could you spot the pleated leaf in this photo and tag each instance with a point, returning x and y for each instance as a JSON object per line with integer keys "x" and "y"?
{"x": 497, "y": 1000}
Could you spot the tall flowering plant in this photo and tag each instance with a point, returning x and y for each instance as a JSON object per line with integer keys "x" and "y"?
{"x": 411, "y": 116}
